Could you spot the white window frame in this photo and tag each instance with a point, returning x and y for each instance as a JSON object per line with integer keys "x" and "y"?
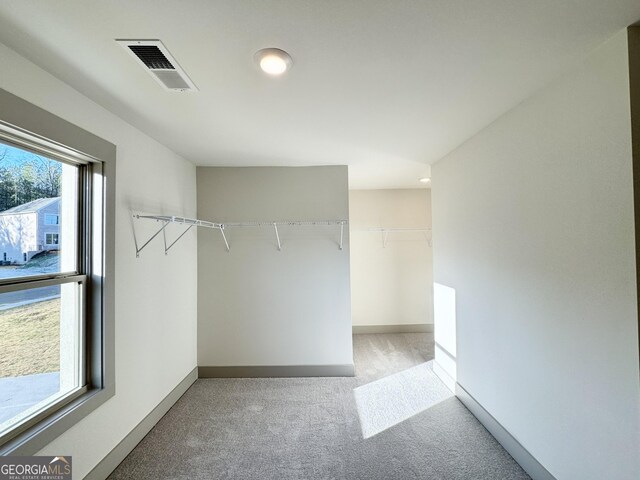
{"x": 31, "y": 128}
{"x": 51, "y": 244}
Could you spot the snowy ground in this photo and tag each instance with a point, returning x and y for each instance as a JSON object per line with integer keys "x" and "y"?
{"x": 37, "y": 266}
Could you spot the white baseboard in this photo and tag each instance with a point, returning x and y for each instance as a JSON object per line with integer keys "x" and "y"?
{"x": 520, "y": 454}
{"x": 403, "y": 328}
{"x": 276, "y": 371}
{"x": 442, "y": 374}
{"x": 109, "y": 463}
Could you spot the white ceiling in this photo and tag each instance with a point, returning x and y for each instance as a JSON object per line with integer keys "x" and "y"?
{"x": 386, "y": 87}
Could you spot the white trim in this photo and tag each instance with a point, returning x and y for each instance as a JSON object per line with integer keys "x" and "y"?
{"x": 109, "y": 463}
{"x": 276, "y": 371}
{"x": 520, "y": 454}
{"x": 398, "y": 328}
{"x": 51, "y": 244}
{"x": 40, "y": 145}
{"x": 442, "y": 374}
{"x": 19, "y": 119}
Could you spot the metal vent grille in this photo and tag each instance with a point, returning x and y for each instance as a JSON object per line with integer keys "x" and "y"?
{"x": 152, "y": 57}
{"x": 171, "y": 79}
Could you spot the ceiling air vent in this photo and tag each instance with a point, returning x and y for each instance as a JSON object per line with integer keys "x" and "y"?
{"x": 154, "y": 57}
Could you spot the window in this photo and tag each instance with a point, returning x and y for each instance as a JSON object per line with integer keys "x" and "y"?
{"x": 41, "y": 312}
{"x": 50, "y": 238}
{"x": 51, "y": 219}
{"x": 56, "y": 279}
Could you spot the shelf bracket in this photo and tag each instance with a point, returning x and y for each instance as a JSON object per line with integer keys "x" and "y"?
{"x": 138, "y": 250}
{"x": 275, "y": 226}
{"x": 385, "y": 234}
{"x": 224, "y": 237}
{"x": 166, "y": 248}
{"x": 427, "y": 237}
{"x": 341, "y": 234}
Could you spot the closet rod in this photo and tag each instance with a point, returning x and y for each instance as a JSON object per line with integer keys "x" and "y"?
{"x": 292, "y": 223}
{"x": 382, "y": 229}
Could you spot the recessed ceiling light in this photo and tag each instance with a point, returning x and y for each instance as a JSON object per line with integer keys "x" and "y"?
{"x": 273, "y": 61}
{"x": 425, "y": 180}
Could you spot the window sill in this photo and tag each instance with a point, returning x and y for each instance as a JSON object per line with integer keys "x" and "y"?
{"x": 37, "y": 437}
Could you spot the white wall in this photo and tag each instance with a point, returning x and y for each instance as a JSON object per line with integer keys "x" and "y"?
{"x": 259, "y": 306}
{"x": 392, "y": 284}
{"x": 444, "y": 319}
{"x": 533, "y": 228}
{"x": 18, "y": 236}
{"x": 155, "y": 295}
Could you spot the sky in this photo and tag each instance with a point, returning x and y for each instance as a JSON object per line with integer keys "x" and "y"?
{"x": 14, "y": 156}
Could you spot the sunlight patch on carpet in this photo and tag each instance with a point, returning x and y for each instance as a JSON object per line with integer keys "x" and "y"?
{"x": 393, "y": 399}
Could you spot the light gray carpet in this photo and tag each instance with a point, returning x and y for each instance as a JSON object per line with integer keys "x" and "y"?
{"x": 309, "y": 428}
{"x": 395, "y": 398}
